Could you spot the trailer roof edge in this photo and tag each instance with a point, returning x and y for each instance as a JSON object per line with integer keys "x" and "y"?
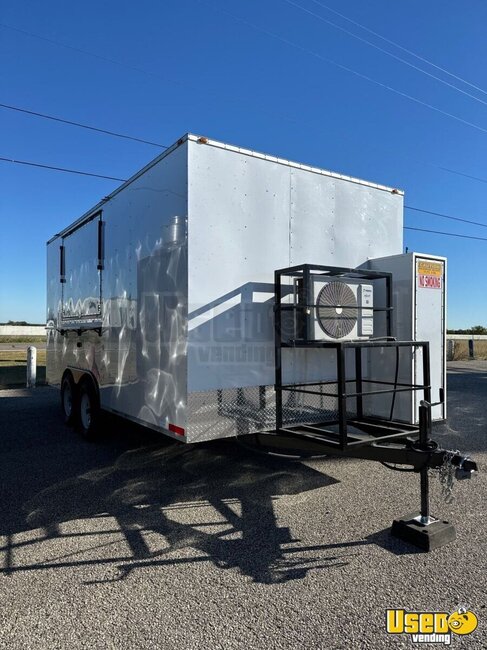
{"x": 290, "y": 163}
{"x": 228, "y": 147}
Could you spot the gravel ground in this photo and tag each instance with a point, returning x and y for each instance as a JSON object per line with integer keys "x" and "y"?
{"x": 141, "y": 543}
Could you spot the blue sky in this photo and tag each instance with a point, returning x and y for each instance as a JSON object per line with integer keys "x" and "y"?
{"x": 190, "y": 66}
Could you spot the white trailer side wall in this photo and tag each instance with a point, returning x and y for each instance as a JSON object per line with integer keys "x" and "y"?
{"x": 190, "y": 248}
{"x": 248, "y": 216}
{"x": 140, "y": 359}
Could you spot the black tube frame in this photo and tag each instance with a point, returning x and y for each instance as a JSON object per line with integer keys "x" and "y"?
{"x": 377, "y": 429}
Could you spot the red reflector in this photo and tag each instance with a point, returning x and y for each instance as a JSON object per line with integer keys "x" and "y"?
{"x": 179, "y": 431}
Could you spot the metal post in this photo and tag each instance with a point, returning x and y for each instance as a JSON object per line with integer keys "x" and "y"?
{"x": 309, "y": 300}
{"x": 342, "y": 395}
{"x": 470, "y": 349}
{"x": 450, "y": 349}
{"x": 424, "y": 428}
{"x": 424, "y": 432}
{"x": 278, "y": 349}
{"x": 390, "y": 298}
{"x": 358, "y": 382}
{"x": 31, "y": 366}
{"x": 425, "y": 493}
{"x": 426, "y": 372}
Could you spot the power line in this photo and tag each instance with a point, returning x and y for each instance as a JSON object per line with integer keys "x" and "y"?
{"x": 129, "y": 137}
{"x": 450, "y": 234}
{"x": 381, "y": 49}
{"x": 400, "y": 47}
{"x": 446, "y": 216}
{"x": 112, "y": 178}
{"x": 60, "y": 169}
{"x": 144, "y": 71}
{"x": 226, "y": 98}
{"x": 455, "y": 171}
{"x": 156, "y": 144}
{"x": 77, "y": 49}
{"x": 82, "y": 126}
{"x": 341, "y": 66}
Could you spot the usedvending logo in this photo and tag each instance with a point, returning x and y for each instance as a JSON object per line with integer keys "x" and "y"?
{"x": 431, "y": 627}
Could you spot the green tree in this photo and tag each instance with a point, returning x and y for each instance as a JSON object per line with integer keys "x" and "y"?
{"x": 478, "y": 329}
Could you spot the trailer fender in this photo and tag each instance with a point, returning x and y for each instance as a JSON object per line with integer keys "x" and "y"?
{"x": 79, "y": 374}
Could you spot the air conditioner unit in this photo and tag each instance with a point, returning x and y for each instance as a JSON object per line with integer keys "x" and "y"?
{"x": 343, "y": 311}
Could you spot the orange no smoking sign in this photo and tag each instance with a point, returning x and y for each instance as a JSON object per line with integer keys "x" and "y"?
{"x": 429, "y": 274}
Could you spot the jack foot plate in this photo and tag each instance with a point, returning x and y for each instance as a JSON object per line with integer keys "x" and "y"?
{"x": 426, "y": 537}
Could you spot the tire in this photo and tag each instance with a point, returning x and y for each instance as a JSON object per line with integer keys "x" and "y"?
{"x": 68, "y": 399}
{"x": 88, "y": 408}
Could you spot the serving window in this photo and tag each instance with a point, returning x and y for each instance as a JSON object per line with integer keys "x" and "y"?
{"x": 81, "y": 265}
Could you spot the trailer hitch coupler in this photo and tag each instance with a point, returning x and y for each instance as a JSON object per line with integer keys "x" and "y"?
{"x": 465, "y": 469}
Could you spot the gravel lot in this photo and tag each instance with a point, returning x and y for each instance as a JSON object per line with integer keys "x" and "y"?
{"x": 137, "y": 542}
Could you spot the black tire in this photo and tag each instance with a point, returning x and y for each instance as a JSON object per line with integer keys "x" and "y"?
{"x": 88, "y": 411}
{"x": 68, "y": 399}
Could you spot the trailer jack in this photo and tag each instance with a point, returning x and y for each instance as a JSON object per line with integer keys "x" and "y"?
{"x": 421, "y": 529}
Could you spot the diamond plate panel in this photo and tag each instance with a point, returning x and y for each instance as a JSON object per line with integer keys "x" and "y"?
{"x": 224, "y": 413}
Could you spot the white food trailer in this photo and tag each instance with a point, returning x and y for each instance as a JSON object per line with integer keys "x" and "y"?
{"x": 160, "y": 298}
{"x": 223, "y": 292}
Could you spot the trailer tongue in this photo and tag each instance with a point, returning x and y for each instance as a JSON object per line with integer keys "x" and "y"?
{"x": 420, "y": 455}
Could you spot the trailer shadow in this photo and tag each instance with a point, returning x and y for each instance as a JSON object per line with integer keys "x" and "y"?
{"x": 213, "y": 500}
{"x": 140, "y": 502}
{"x": 135, "y": 501}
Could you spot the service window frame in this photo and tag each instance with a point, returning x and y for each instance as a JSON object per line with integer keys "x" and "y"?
{"x": 81, "y": 261}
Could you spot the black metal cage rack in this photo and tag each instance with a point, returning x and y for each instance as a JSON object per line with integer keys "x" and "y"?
{"x": 341, "y": 427}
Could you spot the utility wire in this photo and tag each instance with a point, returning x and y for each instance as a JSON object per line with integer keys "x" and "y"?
{"x": 147, "y": 72}
{"x": 60, "y": 169}
{"x": 129, "y": 66}
{"x": 120, "y": 135}
{"x": 381, "y": 49}
{"x": 113, "y": 178}
{"x": 82, "y": 126}
{"x": 341, "y": 66}
{"x": 458, "y": 173}
{"x": 100, "y": 57}
{"x": 450, "y": 234}
{"x": 400, "y": 47}
{"x": 104, "y": 131}
{"x": 273, "y": 35}
{"x": 446, "y": 216}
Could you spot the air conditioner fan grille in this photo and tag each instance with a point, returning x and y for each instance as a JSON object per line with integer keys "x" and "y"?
{"x": 336, "y": 309}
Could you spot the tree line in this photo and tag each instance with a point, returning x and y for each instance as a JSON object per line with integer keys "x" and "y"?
{"x": 20, "y": 322}
{"x": 476, "y": 329}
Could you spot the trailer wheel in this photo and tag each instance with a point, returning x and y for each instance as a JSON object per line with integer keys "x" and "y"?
{"x": 68, "y": 398}
{"x": 88, "y": 410}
